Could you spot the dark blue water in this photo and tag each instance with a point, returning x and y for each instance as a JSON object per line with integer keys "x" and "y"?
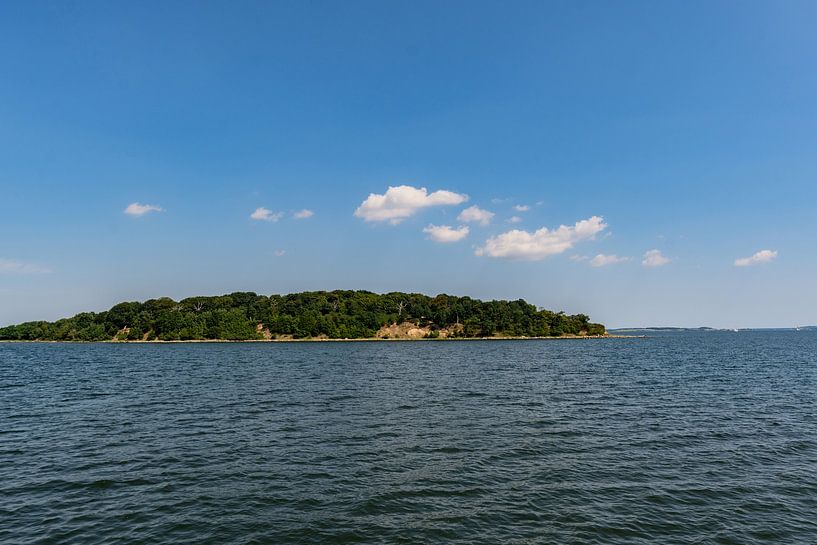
{"x": 681, "y": 438}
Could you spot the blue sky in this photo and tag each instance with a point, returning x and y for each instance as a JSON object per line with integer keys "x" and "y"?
{"x": 681, "y": 135}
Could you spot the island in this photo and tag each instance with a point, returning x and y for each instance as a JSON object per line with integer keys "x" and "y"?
{"x": 314, "y": 315}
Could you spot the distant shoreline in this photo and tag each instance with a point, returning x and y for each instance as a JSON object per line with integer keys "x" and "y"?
{"x": 315, "y": 340}
{"x": 309, "y": 315}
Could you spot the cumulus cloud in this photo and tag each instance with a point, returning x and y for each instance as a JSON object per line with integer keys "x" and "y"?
{"x": 514, "y": 219}
{"x": 763, "y": 256}
{"x": 402, "y": 201}
{"x": 138, "y": 209}
{"x": 264, "y": 214}
{"x": 303, "y": 214}
{"x": 446, "y": 233}
{"x": 476, "y": 214}
{"x": 521, "y": 207}
{"x": 654, "y": 258}
{"x": 518, "y": 244}
{"x": 602, "y": 260}
{"x": 11, "y": 266}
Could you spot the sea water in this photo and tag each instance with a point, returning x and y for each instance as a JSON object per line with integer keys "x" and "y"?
{"x": 693, "y": 437}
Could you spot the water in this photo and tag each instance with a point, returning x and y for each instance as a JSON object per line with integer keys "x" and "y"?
{"x": 678, "y": 438}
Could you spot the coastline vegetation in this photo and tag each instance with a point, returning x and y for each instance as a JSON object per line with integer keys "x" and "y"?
{"x": 316, "y": 315}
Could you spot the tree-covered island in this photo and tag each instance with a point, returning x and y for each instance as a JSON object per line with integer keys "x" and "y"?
{"x": 308, "y": 315}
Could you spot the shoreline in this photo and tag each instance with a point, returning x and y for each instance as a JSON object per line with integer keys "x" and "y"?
{"x": 315, "y": 340}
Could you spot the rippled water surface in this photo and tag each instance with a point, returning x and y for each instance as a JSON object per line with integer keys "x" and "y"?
{"x": 681, "y": 438}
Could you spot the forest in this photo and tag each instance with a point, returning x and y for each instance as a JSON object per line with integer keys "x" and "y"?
{"x": 307, "y": 315}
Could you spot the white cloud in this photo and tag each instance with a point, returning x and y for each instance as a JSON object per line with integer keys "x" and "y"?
{"x": 11, "y": 266}
{"x": 280, "y": 253}
{"x": 403, "y": 201}
{"x": 445, "y": 233}
{"x": 654, "y": 258}
{"x": 303, "y": 214}
{"x": 763, "y": 256}
{"x": 514, "y": 219}
{"x": 521, "y": 207}
{"x": 263, "y": 214}
{"x": 137, "y": 209}
{"x": 602, "y": 260}
{"x": 476, "y": 214}
{"x": 518, "y": 244}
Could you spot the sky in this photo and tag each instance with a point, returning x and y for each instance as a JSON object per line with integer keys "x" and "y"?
{"x": 646, "y": 163}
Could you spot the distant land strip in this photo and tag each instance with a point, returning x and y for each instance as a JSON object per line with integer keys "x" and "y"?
{"x": 315, "y": 315}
